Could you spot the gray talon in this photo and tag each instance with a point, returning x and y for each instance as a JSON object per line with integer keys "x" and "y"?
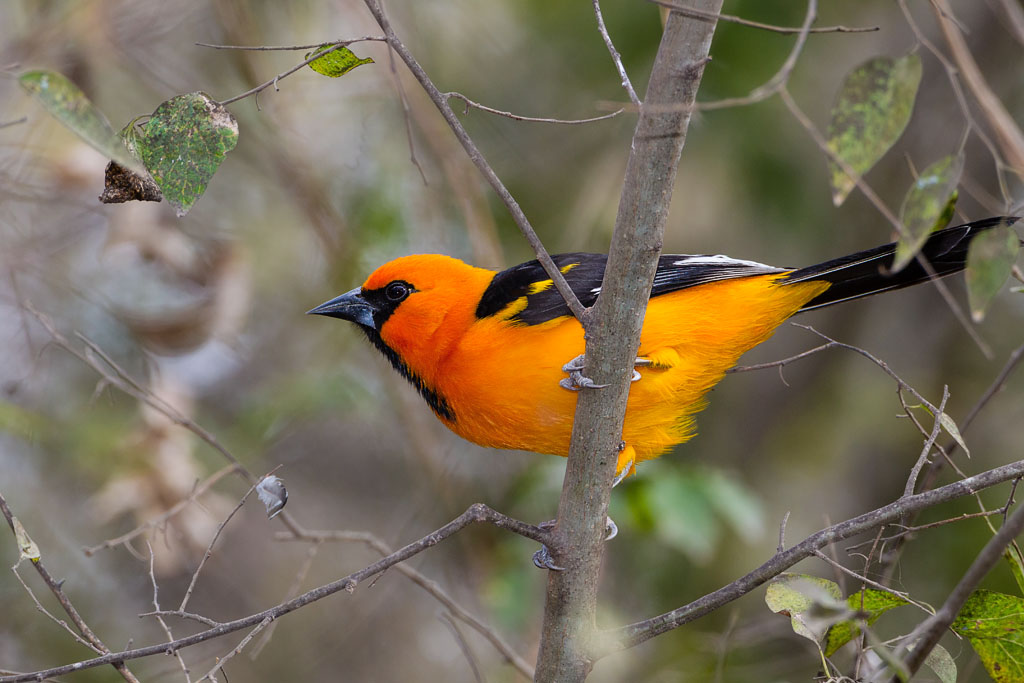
{"x": 576, "y": 379}
{"x": 622, "y": 475}
{"x": 611, "y": 530}
{"x": 542, "y": 560}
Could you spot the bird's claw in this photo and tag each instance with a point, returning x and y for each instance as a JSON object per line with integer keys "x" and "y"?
{"x": 542, "y": 559}
{"x": 577, "y": 380}
{"x": 622, "y": 474}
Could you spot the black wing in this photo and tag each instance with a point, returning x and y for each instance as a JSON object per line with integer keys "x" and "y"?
{"x": 524, "y": 294}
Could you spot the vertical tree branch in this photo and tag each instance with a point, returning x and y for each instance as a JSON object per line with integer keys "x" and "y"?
{"x": 612, "y": 341}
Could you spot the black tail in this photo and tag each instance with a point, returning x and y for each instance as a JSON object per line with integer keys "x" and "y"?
{"x": 867, "y": 272}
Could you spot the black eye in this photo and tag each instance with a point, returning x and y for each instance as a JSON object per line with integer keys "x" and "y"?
{"x": 396, "y": 291}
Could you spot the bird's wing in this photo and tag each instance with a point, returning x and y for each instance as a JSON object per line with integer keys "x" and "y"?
{"x": 525, "y": 295}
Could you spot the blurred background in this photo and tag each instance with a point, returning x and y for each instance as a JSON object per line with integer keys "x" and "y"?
{"x": 207, "y": 312}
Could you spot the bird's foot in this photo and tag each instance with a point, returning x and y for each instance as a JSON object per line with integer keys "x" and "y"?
{"x": 577, "y": 380}
{"x": 542, "y": 559}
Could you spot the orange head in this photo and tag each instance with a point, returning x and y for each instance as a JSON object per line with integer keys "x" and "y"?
{"x": 414, "y": 309}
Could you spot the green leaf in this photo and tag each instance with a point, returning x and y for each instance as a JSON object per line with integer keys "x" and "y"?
{"x": 941, "y": 662}
{"x": 335, "y": 63}
{"x": 990, "y": 259}
{"x": 1013, "y": 556}
{"x": 927, "y": 207}
{"x": 69, "y": 105}
{"x": 184, "y": 143}
{"x": 874, "y": 106}
{"x": 812, "y": 604}
{"x": 994, "y": 625}
{"x": 869, "y": 602}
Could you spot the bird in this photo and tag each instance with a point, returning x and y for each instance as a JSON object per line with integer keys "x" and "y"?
{"x": 497, "y": 355}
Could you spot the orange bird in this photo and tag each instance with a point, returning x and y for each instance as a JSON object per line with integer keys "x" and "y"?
{"x": 487, "y": 350}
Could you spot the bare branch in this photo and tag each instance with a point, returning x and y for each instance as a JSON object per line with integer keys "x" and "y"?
{"x": 532, "y": 119}
{"x": 1011, "y": 138}
{"x": 929, "y": 442}
{"x": 616, "y": 57}
{"x": 700, "y": 14}
{"x": 209, "y": 549}
{"x": 158, "y": 613}
{"x": 262, "y": 48}
{"x": 169, "y": 514}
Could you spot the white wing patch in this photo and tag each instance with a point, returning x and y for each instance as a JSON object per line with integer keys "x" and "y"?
{"x": 723, "y": 260}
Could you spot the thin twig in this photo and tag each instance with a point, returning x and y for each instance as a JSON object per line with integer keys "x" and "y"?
{"x": 157, "y": 612}
{"x": 448, "y": 620}
{"x": 284, "y": 74}
{"x": 15, "y": 122}
{"x": 209, "y": 549}
{"x": 929, "y": 442}
{"x": 183, "y": 615}
{"x": 700, "y": 14}
{"x": 405, "y": 114}
{"x": 518, "y": 117}
{"x": 616, "y": 57}
{"x": 292, "y": 591}
{"x": 1011, "y": 138}
{"x": 784, "y": 362}
{"x": 263, "y": 48}
{"x": 874, "y": 584}
{"x": 161, "y": 519}
{"x": 238, "y": 648}
{"x": 777, "y": 83}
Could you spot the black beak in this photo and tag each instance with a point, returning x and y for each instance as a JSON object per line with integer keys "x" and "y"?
{"x": 349, "y": 306}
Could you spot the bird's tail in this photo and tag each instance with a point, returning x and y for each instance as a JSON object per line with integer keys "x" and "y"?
{"x": 867, "y": 272}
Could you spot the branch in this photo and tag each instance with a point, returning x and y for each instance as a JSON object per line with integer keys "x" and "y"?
{"x": 611, "y": 344}
{"x": 284, "y": 74}
{"x": 1011, "y": 138}
{"x": 531, "y": 119}
{"x": 616, "y": 57}
{"x": 699, "y": 14}
{"x": 160, "y": 519}
{"x": 476, "y": 513}
{"x": 634, "y": 634}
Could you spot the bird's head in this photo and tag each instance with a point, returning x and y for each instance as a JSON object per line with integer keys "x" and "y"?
{"x": 414, "y": 306}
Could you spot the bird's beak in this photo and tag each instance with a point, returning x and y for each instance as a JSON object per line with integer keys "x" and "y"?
{"x": 349, "y": 306}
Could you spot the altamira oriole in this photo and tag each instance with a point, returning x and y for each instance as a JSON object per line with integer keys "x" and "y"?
{"x": 488, "y": 351}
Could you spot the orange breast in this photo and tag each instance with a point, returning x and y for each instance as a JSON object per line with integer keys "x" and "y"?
{"x": 502, "y": 380}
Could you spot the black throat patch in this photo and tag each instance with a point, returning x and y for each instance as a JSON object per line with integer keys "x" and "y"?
{"x": 436, "y": 401}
